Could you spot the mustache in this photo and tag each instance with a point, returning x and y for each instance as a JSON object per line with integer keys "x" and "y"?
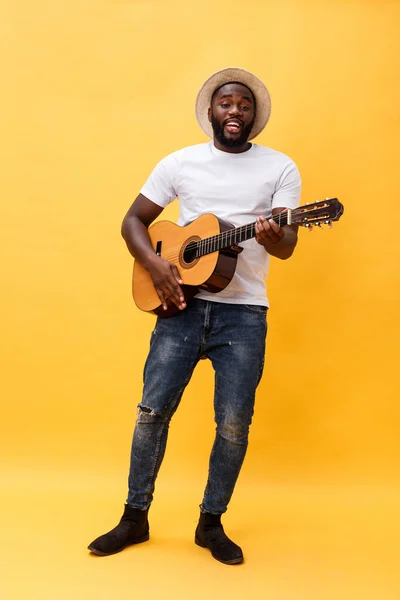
{"x": 231, "y": 119}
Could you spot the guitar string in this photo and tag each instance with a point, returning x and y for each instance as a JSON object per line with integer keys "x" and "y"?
{"x": 174, "y": 252}
{"x": 207, "y": 243}
{"x": 201, "y": 244}
{"x": 244, "y": 229}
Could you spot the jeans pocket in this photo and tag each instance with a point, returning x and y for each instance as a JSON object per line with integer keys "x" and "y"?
{"x": 256, "y": 308}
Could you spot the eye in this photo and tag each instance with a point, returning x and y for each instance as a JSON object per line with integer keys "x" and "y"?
{"x": 225, "y": 105}
{"x": 245, "y": 108}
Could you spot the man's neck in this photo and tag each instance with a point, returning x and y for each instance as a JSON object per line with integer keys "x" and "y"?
{"x": 235, "y": 150}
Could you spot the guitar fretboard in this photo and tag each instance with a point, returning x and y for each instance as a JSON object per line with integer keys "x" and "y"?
{"x": 233, "y": 237}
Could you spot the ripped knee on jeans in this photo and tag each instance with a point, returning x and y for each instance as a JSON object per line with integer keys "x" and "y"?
{"x": 147, "y": 414}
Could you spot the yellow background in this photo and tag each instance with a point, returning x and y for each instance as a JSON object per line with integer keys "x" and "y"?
{"x": 93, "y": 94}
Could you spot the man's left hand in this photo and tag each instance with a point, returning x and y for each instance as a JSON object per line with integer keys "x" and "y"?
{"x": 268, "y": 232}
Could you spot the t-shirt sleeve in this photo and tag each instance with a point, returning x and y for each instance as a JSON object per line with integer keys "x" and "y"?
{"x": 160, "y": 186}
{"x": 288, "y": 188}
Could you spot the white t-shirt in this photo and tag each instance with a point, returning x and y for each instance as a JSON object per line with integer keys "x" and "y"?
{"x": 236, "y": 188}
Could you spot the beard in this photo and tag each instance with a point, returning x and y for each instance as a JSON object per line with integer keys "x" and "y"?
{"x": 218, "y": 129}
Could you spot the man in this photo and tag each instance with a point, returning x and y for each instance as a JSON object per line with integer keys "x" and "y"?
{"x": 239, "y": 182}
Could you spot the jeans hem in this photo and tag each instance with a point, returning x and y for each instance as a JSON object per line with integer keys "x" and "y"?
{"x": 209, "y": 512}
{"x": 138, "y": 507}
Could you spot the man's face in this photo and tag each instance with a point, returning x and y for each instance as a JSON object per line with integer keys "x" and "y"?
{"x": 232, "y": 114}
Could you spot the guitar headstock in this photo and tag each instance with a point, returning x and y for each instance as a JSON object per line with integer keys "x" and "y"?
{"x": 318, "y": 213}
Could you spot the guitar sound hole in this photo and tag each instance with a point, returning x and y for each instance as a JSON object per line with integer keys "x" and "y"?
{"x": 189, "y": 254}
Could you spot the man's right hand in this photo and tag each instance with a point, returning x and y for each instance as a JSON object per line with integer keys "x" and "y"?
{"x": 167, "y": 283}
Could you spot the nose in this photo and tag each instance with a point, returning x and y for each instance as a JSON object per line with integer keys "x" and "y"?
{"x": 235, "y": 110}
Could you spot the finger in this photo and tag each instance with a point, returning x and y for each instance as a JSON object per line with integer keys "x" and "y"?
{"x": 176, "y": 274}
{"x": 177, "y": 289}
{"x": 163, "y": 299}
{"x": 278, "y": 232}
{"x": 168, "y": 297}
{"x": 258, "y": 228}
{"x": 275, "y": 226}
{"x": 261, "y": 225}
{"x": 175, "y": 293}
{"x": 271, "y": 232}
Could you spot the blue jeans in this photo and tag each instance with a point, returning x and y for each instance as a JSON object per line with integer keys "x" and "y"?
{"x": 232, "y": 336}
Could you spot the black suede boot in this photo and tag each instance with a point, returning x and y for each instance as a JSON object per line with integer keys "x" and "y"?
{"x": 210, "y": 534}
{"x": 133, "y": 528}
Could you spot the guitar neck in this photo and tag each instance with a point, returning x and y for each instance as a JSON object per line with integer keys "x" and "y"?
{"x": 235, "y": 236}
{"x": 308, "y": 215}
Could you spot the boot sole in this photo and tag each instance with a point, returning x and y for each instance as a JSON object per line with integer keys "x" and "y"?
{"x": 144, "y": 538}
{"x": 233, "y": 561}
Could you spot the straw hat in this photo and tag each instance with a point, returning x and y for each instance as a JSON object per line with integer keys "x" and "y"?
{"x": 260, "y": 92}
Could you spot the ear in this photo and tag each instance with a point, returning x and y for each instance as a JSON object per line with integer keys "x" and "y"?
{"x": 209, "y": 114}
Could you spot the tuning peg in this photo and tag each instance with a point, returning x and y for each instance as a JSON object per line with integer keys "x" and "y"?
{"x": 309, "y": 226}
{"x": 329, "y": 223}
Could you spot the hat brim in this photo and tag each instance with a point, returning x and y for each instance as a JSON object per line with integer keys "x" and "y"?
{"x": 261, "y": 94}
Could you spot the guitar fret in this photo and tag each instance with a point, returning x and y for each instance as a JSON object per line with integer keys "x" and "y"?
{"x": 225, "y": 239}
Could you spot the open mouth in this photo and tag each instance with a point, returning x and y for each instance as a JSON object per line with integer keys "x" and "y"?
{"x": 233, "y": 125}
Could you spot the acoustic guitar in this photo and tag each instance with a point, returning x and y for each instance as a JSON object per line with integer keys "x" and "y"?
{"x": 206, "y": 251}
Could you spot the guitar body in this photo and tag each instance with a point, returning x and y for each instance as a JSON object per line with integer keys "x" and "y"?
{"x": 211, "y": 272}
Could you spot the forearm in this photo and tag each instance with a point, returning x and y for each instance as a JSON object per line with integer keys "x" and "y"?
{"x": 137, "y": 239}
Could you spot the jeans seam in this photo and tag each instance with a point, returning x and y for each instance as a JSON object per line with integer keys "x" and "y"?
{"x": 256, "y": 309}
{"x": 206, "y": 324}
